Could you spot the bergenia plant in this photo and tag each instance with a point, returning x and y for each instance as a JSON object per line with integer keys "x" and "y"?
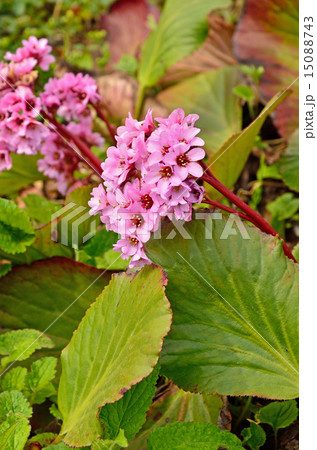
{"x": 142, "y": 317}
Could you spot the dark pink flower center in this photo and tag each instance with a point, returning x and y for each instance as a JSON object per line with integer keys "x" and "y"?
{"x": 166, "y": 172}
{"x": 182, "y": 160}
{"x": 133, "y": 241}
{"x": 137, "y": 220}
{"x": 146, "y": 201}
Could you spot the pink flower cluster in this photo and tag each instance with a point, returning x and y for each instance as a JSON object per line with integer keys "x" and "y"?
{"x": 69, "y": 98}
{"x": 20, "y": 132}
{"x": 70, "y": 95}
{"x": 149, "y": 174}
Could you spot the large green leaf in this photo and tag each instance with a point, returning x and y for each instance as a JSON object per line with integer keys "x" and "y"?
{"x": 24, "y": 172}
{"x": 174, "y": 406}
{"x": 181, "y": 30}
{"x": 116, "y": 345}
{"x": 289, "y": 167}
{"x": 235, "y": 310}
{"x": 128, "y": 413}
{"x": 196, "y": 436}
{"x": 52, "y": 294}
{"x": 228, "y": 162}
{"x": 211, "y": 96}
{"x": 16, "y": 231}
{"x": 39, "y": 208}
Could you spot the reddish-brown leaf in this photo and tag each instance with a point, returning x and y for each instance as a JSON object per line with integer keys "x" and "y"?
{"x": 267, "y": 35}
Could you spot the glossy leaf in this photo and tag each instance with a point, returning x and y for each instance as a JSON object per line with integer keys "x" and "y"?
{"x": 214, "y": 53}
{"x": 235, "y": 310}
{"x": 181, "y": 30}
{"x": 116, "y": 345}
{"x": 16, "y": 231}
{"x": 278, "y": 414}
{"x": 228, "y": 162}
{"x": 128, "y": 413}
{"x": 176, "y": 405}
{"x": 289, "y": 166}
{"x": 200, "y": 436}
{"x": 72, "y": 287}
{"x": 23, "y": 173}
{"x": 254, "y": 436}
{"x": 267, "y": 35}
{"x": 18, "y": 345}
{"x": 211, "y": 96}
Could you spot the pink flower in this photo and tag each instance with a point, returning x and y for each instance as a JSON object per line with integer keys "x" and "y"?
{"x": 70, "y": 95}
{"x": 185, "y": 160}
{"x": 132, "y": 247}
{"x": 133, "y": 128}
{"x": 99, "y": 200}
{"x": 33, "y": 48}
{"x": 5, "y": 158}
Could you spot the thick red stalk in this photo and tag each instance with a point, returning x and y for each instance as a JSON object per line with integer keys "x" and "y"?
{"x": 105, "y": 119}
{"x": 86, "y": 154}
{"x": 228, "y": 209}
{"x": 258, "y": 220}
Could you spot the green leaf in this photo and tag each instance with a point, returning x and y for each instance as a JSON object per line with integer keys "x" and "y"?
{"x": 107, "y": 444}
{"x": 77, "y": 225}
{"x": 200, "y": 436}
{"x": 128, "y": 413}
{"x": 289, "y": 166}
{"x": 16, "y": 231}
{"x": 14, "y": 432}
{"x": 55, "y": 412}
{"x": 181, "y": 30}
{"x": 44, "y": 439}
{"x": 235, "y": 309}
{"x": 296, "y": 252}
{"x": 55, "y": 295}
{"x": 254, "y": 436}
{"x": 177, "y": 405}
{"x": 13, "y": 402}
{"x": 116, "y": 345}
{"x": 228, "y": 162}
{"x": 282, "y": 208}
{"x": 23, "y": 173}
{"x": 98, "y": 251}
{"x": 37, "y": 381}
{"x": 4, "y": 269}
{"x": 39, "y": 208}
{"x": 209, "y": 95}
{"x": 14, "y": 380}
{"x": 43, "y": 247}
{"x": 20, "y": 344}
{"x": 278, "y": 414}
{"x": 244, "y": 92}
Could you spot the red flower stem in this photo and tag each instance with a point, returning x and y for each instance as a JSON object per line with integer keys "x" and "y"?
{"x": 227, "y": 209}
{"x": 105, "y": 119}
{"x": 257, "y": 220}
{"x": 86, "y": 154}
